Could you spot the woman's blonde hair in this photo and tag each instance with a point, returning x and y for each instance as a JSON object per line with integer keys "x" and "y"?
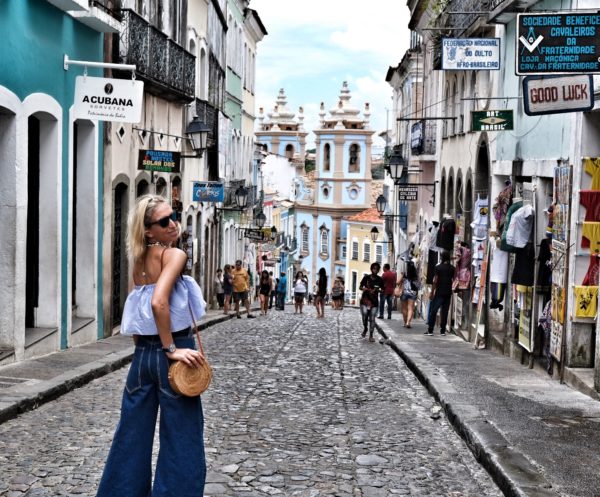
{"x": 139, "y": 217}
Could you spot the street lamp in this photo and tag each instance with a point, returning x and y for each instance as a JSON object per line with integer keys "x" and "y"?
{"x": 374, "y": 233}
{"x": 241, "y": 197}
{"x": 396, "y": 163}
{"x": 381, "y": 204}
{"x": 197, "y": 132}
{"x": 260, "y": 219}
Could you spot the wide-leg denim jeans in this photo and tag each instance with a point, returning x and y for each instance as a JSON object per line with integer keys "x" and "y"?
{"x": 181, "y": 466}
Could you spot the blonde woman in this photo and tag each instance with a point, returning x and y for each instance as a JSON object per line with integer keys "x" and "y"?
{"x": 158, "y": 315}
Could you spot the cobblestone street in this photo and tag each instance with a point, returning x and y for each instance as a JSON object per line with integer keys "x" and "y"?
{"x": 298, "y": 406}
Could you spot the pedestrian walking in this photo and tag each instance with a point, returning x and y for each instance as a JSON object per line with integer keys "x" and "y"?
{"x": 241, "y": 287}
{"x": 218, "y": 288}
{"x": 409, "y": 286}
{"x": 281, "y": 291}
{"x": 273, "y": 293}
{"x": 300, "y": 289}
{"x": 264, "y": 291}
{"x": 227, "y": 288}
{"x": 371, "y": 286}
{"x": 337, "y": 294}
{"x": 321, "y": 293}
{"x": 389, "y": 283}
{"x": 158, "y": 315}
{"x": 441, "y": 294}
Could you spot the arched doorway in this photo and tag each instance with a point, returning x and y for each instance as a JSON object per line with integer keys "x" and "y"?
{"x": 83, "y": 263}
{"x": 119, "y": 255}
{"x": 443, "y": 195}
{"x": 450, "y": 195}
{"x": 43, "y": 225}
{"x": 8, "y": 212}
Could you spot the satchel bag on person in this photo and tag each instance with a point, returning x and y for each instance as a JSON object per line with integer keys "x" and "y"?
{"x": 187, "y": 380}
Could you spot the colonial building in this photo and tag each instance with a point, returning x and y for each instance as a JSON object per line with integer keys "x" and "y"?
{"x": 52, "y": 179}
{"x": 342, "y": 186}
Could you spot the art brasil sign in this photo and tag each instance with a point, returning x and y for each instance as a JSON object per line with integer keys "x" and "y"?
{"x": 560, "y": 43}
{"x": 491, "y": 120}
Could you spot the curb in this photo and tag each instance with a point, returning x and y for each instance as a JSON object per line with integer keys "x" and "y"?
{"x": 50, "y": 390}
{"x": 514, "y": 474}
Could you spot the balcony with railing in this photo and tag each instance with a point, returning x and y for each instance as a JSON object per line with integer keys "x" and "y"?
{"x": 167, "y": 68}
{"x": 208, "y": 115}
{"x": 504, "y": 11}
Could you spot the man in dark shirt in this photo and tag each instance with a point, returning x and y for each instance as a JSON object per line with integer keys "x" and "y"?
{"x": 371, "y": 285}
{"x": 389, "y": 283}
{"x": 441, "y": 294}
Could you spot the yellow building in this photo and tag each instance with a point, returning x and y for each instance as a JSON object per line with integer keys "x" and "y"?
{"x": 361, "y": 251}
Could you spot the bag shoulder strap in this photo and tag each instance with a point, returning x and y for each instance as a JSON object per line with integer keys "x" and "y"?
{"x": 196, "y": 327}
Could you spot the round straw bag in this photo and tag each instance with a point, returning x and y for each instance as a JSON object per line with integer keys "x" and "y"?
{"x": 190, "y": 381}
{"x": 187, "y": 380}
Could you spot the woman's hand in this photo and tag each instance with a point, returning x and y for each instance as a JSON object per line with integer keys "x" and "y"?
{"x": 191, "y": 357}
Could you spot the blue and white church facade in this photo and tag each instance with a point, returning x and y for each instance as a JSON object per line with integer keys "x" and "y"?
{"x": 342, "y": 187}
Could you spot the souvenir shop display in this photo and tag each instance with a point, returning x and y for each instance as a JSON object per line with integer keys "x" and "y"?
{"x": 557, "y": 223}
{"x": 432, "y": 251}
{"x": 462, "y": 280}
{"x": 516, "y": 205}
{"x": 544, "y": 276}
{"x": 585, "y": 295}
{"x": 523, "y": 311}
{"x": 500, "y": 207}
{"x": 479, "y": 230}
{"x": 445, "y": 233}
{"x": 545, "y": 326}
{"x": 498, "y": 274}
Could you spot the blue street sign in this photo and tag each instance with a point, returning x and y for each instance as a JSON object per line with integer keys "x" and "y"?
{"x": 558, "y": 43}
{"x": 208, "y": 191}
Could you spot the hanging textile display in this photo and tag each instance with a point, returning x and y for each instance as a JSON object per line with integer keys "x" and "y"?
{"x": 559, "y": 259}
{"x": 500, "y": 207}
{"x": 498, "y": 274}
{"x": 463, "y": 267}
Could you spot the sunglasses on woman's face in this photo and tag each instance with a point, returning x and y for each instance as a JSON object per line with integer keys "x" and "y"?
{"x": 163, "y": 222}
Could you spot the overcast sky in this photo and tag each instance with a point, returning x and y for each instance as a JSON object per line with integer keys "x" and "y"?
{"x": 315, "y": 45}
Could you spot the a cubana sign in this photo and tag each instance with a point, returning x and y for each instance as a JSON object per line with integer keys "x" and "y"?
{"x": 558, "y": 43}
{"x": 491, "y": 120}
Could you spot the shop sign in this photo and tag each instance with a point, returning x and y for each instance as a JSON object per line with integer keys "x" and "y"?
{"x": 208, "y": 191}
{"x": 560, "y": 43}
{"x": 557, "y": 94}
{"x": 491, "y": 120}
{"x": 408, "y": 193}
{"x": 254, "y": 234}
{"x": 471, "y": 54}
{"x": 416, "y": 137}
{"x": 106, "y": 99}
{"x": 160, "y": 161}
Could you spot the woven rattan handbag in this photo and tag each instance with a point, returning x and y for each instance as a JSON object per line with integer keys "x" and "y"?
{"x": 187, "y": 380}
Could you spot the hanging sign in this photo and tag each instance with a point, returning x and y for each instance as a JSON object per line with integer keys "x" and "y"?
{"x": 161, "y": 161}
{"x": 556, "y": 94}
{"x": 208, "y": 191}
{"x": 106, "y": 99}
{"x": 408, "y": 193}
{"x": 416, "y": 138}
{"x": 561, "y": 42}
{"x": 255, "y": 234}
{"x": 491, "y": 120}
{"x": 470, "y": 54}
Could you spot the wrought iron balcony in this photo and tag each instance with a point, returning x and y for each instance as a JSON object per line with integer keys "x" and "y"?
{"x": 167, "y": 68}
{"x": 460, "y": 15}
{"x": 208, "y": 115}
{"x": 504, "y": 11}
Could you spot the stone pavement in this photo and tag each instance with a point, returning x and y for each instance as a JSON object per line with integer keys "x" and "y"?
{"x": 535, "y": 436}
{"x": 298, "y": 406}
{"x": 30, "y": 383}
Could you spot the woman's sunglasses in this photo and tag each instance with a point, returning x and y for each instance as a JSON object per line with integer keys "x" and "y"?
{"x": 163, "y": 222}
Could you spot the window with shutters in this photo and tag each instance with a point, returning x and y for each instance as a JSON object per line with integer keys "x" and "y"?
{"x": 366, "y": 252}
{"x": 354, "y": 250}
{"x": 379, "y": 253}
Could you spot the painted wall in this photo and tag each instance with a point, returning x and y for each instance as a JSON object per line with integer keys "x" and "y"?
{"x": 32, "y": 56}
{"x": 278, "y": 175}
